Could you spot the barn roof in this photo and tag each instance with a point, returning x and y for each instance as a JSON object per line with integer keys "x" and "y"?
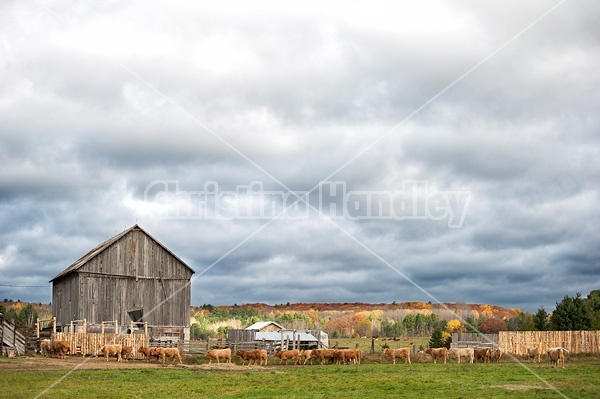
{"x": 85, "y": 258}
{"x": 262, "y": 324}
{"x": 289, "y": 335}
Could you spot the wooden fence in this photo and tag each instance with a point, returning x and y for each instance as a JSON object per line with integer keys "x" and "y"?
{"x": 84, "y": 344}
{"x": 517, "y": 342}
{"x": 11, "y": 339}
{"x": 474, "y": 340}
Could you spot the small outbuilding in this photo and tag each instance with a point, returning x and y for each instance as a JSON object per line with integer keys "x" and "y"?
{"x": 265, "y": 326}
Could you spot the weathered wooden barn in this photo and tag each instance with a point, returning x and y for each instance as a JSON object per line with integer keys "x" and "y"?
{"x": 130, "y": 277}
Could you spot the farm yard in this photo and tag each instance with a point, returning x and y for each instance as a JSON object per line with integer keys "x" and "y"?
{"x": 36, "y": 376}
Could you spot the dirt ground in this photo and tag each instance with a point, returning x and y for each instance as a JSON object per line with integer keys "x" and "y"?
{"x": 38, "y": 362}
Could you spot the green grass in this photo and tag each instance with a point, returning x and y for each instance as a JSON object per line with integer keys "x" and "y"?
{"x": 419, "y": 380}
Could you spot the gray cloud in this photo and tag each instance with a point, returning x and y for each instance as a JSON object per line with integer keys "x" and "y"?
{"x": 98, "y": 102}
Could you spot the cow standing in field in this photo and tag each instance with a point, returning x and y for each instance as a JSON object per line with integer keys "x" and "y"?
{"x": 61, "y": 348}
{"x": 402, "y": 353}
{"x": 557, "y": 355}
{"x": 438, "y": 352}
{"x": 497, "y": 355}
{"x": 127, "y": 353}
{"x": 148, "y": 352}
{"x": 467, "y": 352}
{"x": 307, "y": 355}
{"x": 483, "y": 354}
{"x": 216, "y": 354}
{"x": 108, "y": 350}
{"x": 255, "y": 356}
{"x": 163, "y": 353}
{"x": 534, "y": 353}
{"x": 323, "y": 354}
{"x": 288, "y": 354}
{"x": 45, "y": 347}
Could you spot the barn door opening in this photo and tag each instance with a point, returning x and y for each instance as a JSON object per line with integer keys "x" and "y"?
{"x": 136, "y": 315}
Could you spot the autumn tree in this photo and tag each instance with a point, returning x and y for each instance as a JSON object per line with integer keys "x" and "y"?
{"x": 454, "y": 325}
{"x": 492, "y": 326}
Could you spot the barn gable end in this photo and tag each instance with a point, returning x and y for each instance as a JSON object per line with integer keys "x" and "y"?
{"x": 131, "y": 273}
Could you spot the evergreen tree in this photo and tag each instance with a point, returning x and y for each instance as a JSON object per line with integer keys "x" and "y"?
{"x": 437, "y": 339}
{"x": 593, "y": 301}
{"x": 528, "y": 324}
{"x": 540, "y": 319}
{"x": 571, "y": 314}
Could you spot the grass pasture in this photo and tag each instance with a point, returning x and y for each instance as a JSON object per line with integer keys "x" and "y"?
{"x": 28, "y": 377}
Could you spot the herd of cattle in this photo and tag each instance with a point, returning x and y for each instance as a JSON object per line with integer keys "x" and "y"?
{"x": 336, "y": 356}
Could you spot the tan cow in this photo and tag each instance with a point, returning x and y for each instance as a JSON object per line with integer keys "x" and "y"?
{"x": 557, "y": 355}
{"x": 438, "y": 352}
{"x": 127, "y": 352}
{"x": 483, "y": 354}
{"x": 307, "y": 355}
{"x": 534, "y": 353}
{"x": 497, "y": 355}
{"x": 108, "y": 350}
{"x": 45, "y": 347}
{"x": 148, "y": 352}
{"x": 60, "y": 348}
{"x": 459, "y": 352}
{"x": 347, "y": 356}
{"x": 402, "y": 353}
{"x": 253, "y": 356}
{"x": 288, "y": 354}
{"x": 163, "y": 353}
{"x": 216, "y": 354}
{"x": 323, "y": 354}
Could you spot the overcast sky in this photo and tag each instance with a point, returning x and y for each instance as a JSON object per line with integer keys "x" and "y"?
{"x": 478, "y": 123}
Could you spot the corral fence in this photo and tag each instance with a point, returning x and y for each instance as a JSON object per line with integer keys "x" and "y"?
{"x": 86, "y": 343}
{"x": 517, "y": 342}
{"x": 474, "y": 340}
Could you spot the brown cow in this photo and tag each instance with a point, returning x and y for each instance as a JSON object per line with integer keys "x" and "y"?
{"x": 438, "y": 352}
{"x": 127, "y": 352}
{"x": 497, "y": 355}
{"x": 61, "y": 348}
{"x": 323, "y": 354}
{"x": 108, "y": 350}
{"x": 557, "y": 355}
{"x": 148, "y": 352}
{"x": 163, "y": 353}
{"x": 402, "y": 353}
{"x": 217, "y": 354}
{"x": 483, "y": 354}
{"x": 307, "y": 355}
{"x": 534, "y": 353}
{"x": 347, "y": 356}
{"x": 253, "y": 356}
{"x": 288, "y": 354}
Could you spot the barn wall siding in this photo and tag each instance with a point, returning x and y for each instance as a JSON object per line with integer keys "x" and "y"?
{"x": 133, "y": 272}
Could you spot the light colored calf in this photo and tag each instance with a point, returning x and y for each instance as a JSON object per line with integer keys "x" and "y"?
{"x": 467, "y": 352}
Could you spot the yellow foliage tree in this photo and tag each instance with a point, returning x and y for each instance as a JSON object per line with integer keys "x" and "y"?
{"x": 455, "y": 325}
